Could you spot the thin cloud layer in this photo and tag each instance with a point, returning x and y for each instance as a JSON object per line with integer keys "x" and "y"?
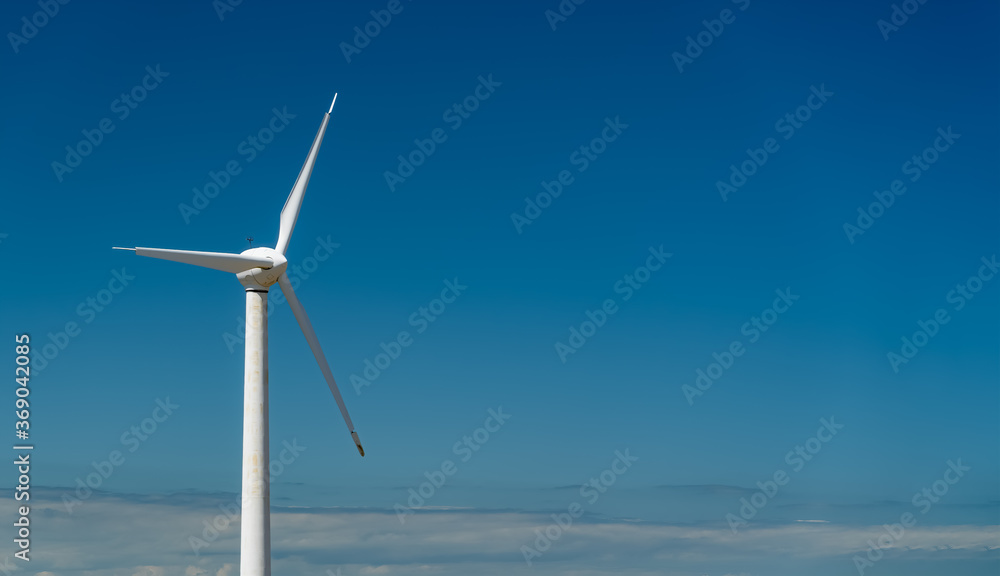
{"x": 111, "y": 535}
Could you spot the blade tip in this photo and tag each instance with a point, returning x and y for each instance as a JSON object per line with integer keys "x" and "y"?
{"x": 357, "y": 442}
{"x": 120, "y": 248}
{"x": 332, "y": 103}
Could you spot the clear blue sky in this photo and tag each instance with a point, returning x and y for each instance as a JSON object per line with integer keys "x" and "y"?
{"x": 669, "y": 126}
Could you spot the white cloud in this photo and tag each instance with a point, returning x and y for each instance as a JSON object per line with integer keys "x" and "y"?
{"x": 149, "y": 536}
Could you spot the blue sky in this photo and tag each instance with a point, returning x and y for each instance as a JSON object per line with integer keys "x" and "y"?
{"x": 661, "y": 125}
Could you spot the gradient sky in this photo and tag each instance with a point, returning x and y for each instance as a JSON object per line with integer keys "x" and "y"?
{"x": 654, "y": 187}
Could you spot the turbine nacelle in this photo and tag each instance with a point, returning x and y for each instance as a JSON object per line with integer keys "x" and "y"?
{"x": 262, "y": 278}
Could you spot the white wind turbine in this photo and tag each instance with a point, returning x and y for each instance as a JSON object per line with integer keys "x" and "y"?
{"x": 258, "y": 269}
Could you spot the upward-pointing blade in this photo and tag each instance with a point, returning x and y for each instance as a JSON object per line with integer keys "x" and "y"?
{"x": 307, "y": 329}
{"x": 234, "y": 263}
{"x": 290, "y": 212}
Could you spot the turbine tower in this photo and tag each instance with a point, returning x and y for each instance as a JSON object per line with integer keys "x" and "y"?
{"x": 257, "y": 270}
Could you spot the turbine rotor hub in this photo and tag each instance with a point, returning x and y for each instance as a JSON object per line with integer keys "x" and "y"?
{"x": 263, "y": 278}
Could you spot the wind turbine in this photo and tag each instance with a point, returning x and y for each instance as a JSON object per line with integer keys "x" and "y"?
{"x": 257, "y": 270}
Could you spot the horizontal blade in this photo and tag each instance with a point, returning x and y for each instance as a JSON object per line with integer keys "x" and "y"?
{"x": 234, "y": 263}
{"x": 290, "y": 212}
{"x": 307, "y": 329}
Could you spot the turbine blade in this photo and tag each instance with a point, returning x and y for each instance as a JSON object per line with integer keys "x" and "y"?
{"x": 234, "y": 263}
{"x": 290, "y": 212}
{"x": 307, "y": 329}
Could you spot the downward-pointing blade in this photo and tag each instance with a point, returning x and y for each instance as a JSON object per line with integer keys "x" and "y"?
{"x": 290, "y": 212}
{"x": 307, "y": 329}
{"x": 234, "y": 263}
